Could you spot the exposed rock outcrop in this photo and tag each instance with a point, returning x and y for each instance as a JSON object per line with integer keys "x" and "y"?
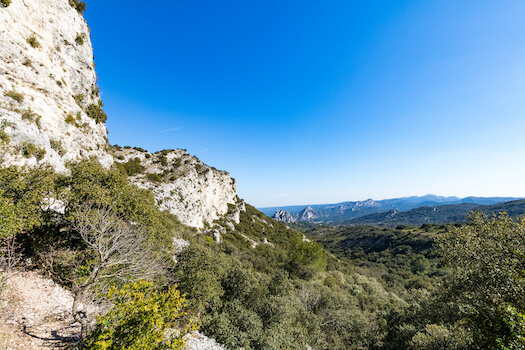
{"x": 284, "y": 216}
{"x": 196, "y": 193}
{"x": 48, "y": 91}
{"x": 308, "y": 214}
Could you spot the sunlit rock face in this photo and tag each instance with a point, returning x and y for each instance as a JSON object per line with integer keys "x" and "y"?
{"x": 284, "y": 216}
{"x": 195, "y": 192}
{"x": 48, "y": 92}
{"x": 50, "y": 108}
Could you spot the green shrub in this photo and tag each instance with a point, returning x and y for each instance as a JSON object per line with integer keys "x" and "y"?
{"x": 142, "y": 318}
{"x": 59, "y": 83}
{"x": 9, "y": 220}
{"x": 5, "y": 3}
{"x": 95, "y": 112}
{"x": 57, "y": 146}
{"x": 154, "y": 177}
{"x": 33, "y": 42}
{"x": 78, "y": 5}
{"x": 32, "y": 117}
{"x": 29, "y": 149}
{"x": 70, "y": 119}
{"x": 79, "y": 98}
{"x": 18, "y": 97}
{"x": 131, "y": 167}
{"x": 80, "y": 38}
{"x": 28, "y": 63}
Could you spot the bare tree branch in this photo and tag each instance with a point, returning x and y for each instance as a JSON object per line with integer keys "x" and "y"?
{"x": 121, "y": 253}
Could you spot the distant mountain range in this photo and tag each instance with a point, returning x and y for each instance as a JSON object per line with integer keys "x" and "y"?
{"x": 408, "y": 210}
{"x": 444, "y": 214}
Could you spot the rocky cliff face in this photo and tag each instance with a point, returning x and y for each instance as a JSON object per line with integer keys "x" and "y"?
{"x": 196, "y": 193}
{"x": 284, "y": 216}
{"x": 51, "y": 110}
{"x": 48, "y": 92}
{"x": 308, "y": 214}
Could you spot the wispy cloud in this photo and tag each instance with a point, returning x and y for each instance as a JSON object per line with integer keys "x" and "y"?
{"x": 169, "y": 130}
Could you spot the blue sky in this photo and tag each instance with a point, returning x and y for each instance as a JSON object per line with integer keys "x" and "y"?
{"x": 308, "y": 102}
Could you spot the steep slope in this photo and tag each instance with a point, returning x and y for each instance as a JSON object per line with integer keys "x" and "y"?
{"x": 48, "y": 92}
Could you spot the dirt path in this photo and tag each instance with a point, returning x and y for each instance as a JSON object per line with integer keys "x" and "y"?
{"x": 35, "y": 314}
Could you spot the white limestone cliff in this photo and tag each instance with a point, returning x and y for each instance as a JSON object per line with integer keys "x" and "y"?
{"x": 47, "y": 83}
{"x": 196, "y": 193}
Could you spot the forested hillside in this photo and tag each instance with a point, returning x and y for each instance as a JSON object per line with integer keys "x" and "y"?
{"x": 265, "y": 285}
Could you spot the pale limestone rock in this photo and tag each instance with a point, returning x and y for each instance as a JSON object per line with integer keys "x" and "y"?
{"x": 196, "y": 193}
{"x": 48, "y": 77}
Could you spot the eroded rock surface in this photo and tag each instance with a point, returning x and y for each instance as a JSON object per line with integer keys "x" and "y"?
{"x": 48, "y": 91}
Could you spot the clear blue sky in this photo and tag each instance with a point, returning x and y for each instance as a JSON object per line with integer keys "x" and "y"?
{"x": 307, "y": 102}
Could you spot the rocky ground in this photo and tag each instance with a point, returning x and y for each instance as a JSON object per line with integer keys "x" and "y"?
{"x": 35, "y": 315}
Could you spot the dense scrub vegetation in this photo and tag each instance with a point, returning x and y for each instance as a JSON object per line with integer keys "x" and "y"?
{"x": 265, "y": 286}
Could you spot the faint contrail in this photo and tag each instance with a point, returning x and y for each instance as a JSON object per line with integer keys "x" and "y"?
{"x": 168, "y": 130}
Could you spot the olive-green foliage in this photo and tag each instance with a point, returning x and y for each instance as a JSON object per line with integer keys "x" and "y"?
{"x": 9, "y": 220}
{"x": 78, "y": 5}
{"x": 90, "y": 182}
{"x": 5, "y": 3}
{"x": 154, "y": 177}
{"x": 95, "y": 112}
{"x": 487, "y": 259}
{"x": 306, "y": 259}
{"x": 18, "y": 97}
{"x": 79, "y": 98}
{"x": 251, "y": 298}
{"x": 29, "y": 149}
{"x": 33, "y": 42}
{"x": 404, "y": 257}
{"x": 437, "y": 337}
{"x": 163, "y": 160}
{"x": 131, "y": 167}
{"x": 70, "y": 119}
{"x": 95, "y": 90}
{"x": 79, "y": 39}
{"x": 57, "y": 146}
{"x": 32, "y": 117}
{"x": 142, "y": 318}
{"x": 26, "y": 189}
{"x": 5, "y": 139}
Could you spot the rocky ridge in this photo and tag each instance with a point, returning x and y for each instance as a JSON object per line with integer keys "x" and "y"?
{"x": 193, "y": 191}
{"x": 48, "y": 86}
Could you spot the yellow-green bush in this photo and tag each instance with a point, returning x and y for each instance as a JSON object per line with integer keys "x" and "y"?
{"x": 142, "y": 318}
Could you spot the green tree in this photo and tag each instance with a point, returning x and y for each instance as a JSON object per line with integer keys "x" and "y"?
{"x": 306, "y": 259}
{"x": 487, "y": 257}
